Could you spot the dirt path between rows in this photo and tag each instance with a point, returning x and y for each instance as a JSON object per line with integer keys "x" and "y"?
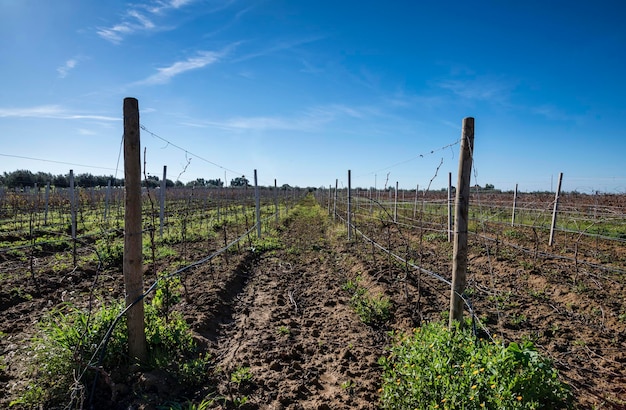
{"x": 293, "y": 337}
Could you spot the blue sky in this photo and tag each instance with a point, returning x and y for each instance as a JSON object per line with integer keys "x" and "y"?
{"x": 302, "y": 91}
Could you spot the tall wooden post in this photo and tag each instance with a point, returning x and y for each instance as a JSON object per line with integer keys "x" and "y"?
{"x": 459, "y": 261}
{"x": 449, "y": 206}
{"x": 330, "y": 190}
{"x": 73, "y": 213}
{"x": 276, "y": 200}
{"x": 395, "y": 204}
{"x": 257, "y": 203}
{"x": 335, "y": 201}
{"x": 162, "y": 201}
{"x": 132, "y": 266}
{"x": 47, "y": 199}
{"x": 349, "y": 205}
{"x": 417, "y": 190}
{"x": 556, "y": 209}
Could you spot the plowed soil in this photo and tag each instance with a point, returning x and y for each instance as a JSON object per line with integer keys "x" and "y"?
{"x": 285, "y": 316}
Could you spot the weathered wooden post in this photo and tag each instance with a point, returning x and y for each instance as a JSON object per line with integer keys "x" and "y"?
{"x": 349, "y": 205}
{"x": 330, "y": 190}
{"x": 47, "y": 202}
{"x": 276, "y": 210}
{"x": 556, "y": 209}
{"x": 417, "y": 190}
{"x": 459, "y": 260}
{"x": 335, "y": 201}
{"x": 132, "y": 266}
{"x": 73, "y": 214}
{"x": 257, "y": 203}
{"x": 395, "y": 204}
{"x": 162, "y": 201}
{"x": 449, "y": 206}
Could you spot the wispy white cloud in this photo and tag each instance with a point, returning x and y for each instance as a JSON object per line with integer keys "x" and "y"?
{"x": 483, "y": 88}
{"x": 278, "y": 46}
{"x": 139, "y": 18}
{"x": 165, "y": 74}
{"x": 161, "y": 6}
{"x": 67, "y": 67}
{"x": 52, "y": 112}
{"x": 554, "y": 113}
{"x": 309, "y": 120}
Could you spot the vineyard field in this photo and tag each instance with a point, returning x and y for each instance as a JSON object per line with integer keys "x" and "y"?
{"x": 275, "y": 317}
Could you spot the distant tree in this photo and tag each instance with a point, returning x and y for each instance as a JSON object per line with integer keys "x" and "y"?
{"x": 179, "y": 184}
{"x": 239, "y": 181}
{"x": 489, "y": 187}
{"x": 285, "y": 187}
{"x": 152, "y": 181}
{"x": 19, "y": 178}
{"x": 169, "y": 183}
{"x": 60, "y": 181}
{"x": 85, "y": 180}
{"x": 198, "y": 182}
{"x": 215, "y": 182}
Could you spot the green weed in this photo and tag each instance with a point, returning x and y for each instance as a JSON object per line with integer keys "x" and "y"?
{"x": 68, "y": 348}
{"x": 434, "y": 368}
{"x": 241, "y": 375}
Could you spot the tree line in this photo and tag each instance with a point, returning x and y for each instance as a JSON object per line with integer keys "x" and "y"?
{"x": 24, "y": 178}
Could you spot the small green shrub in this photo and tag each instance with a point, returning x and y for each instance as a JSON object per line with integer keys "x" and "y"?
{"x": 68, "y": 344}
{"x": 266, "y": 244}
{"x": 371, "y": 309}
{"x": 436, "y": 237}
{"x": 433, "y": 368}
{"x": 241, "y": 375}
{"x": 110, "y": 251}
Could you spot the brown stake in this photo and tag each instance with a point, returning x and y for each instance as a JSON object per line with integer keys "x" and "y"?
{"x": 459, "y": 259}
{"x": 133, "y": 276}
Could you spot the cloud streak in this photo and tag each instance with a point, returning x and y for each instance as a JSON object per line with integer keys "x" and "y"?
{"x": 165, "y": 74}
{"x": 67, "y": 67}
{"x": 51, "y": 112}
{"x": 310, "y": 120}
{"x": 480, "y": 88}
{"x": 139, "y": 18}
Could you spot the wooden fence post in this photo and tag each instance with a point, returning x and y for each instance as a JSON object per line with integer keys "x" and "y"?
{"x": 417, "y": 190}
{"x": 276, "y": 209}
{"x": 459, "y": 260}
{"x": 47, "y": 202}
{"x": 73, "y": 214}
{"x": 395, "y": 205}
{"x": 449, "y": 206}
{"x": 162, "y": 201}
{"x": 132, "y": 266}
{"x": 335, "y": 201}
{"x": 556, "y": 209}
{"x": 257, "y": 203}
{"x": 349, "y": 205}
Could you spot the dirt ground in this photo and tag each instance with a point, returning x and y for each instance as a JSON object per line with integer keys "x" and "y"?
{"x": 285, "y": 318}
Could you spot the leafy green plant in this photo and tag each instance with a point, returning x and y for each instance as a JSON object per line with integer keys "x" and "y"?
{"x": 240, "y": 401}
{"x": 68, "y": 349}
{"x": 435, "y": 237}
{"x": 284, "y": 330}
{"x": 241, "y": 375}
{"x": 111, "y": 251}
{"x": 203, "y": 405}
{"x": 435, "y": 368}
{"x": 266, "y": 244}
{"x": 371, "y": 309}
